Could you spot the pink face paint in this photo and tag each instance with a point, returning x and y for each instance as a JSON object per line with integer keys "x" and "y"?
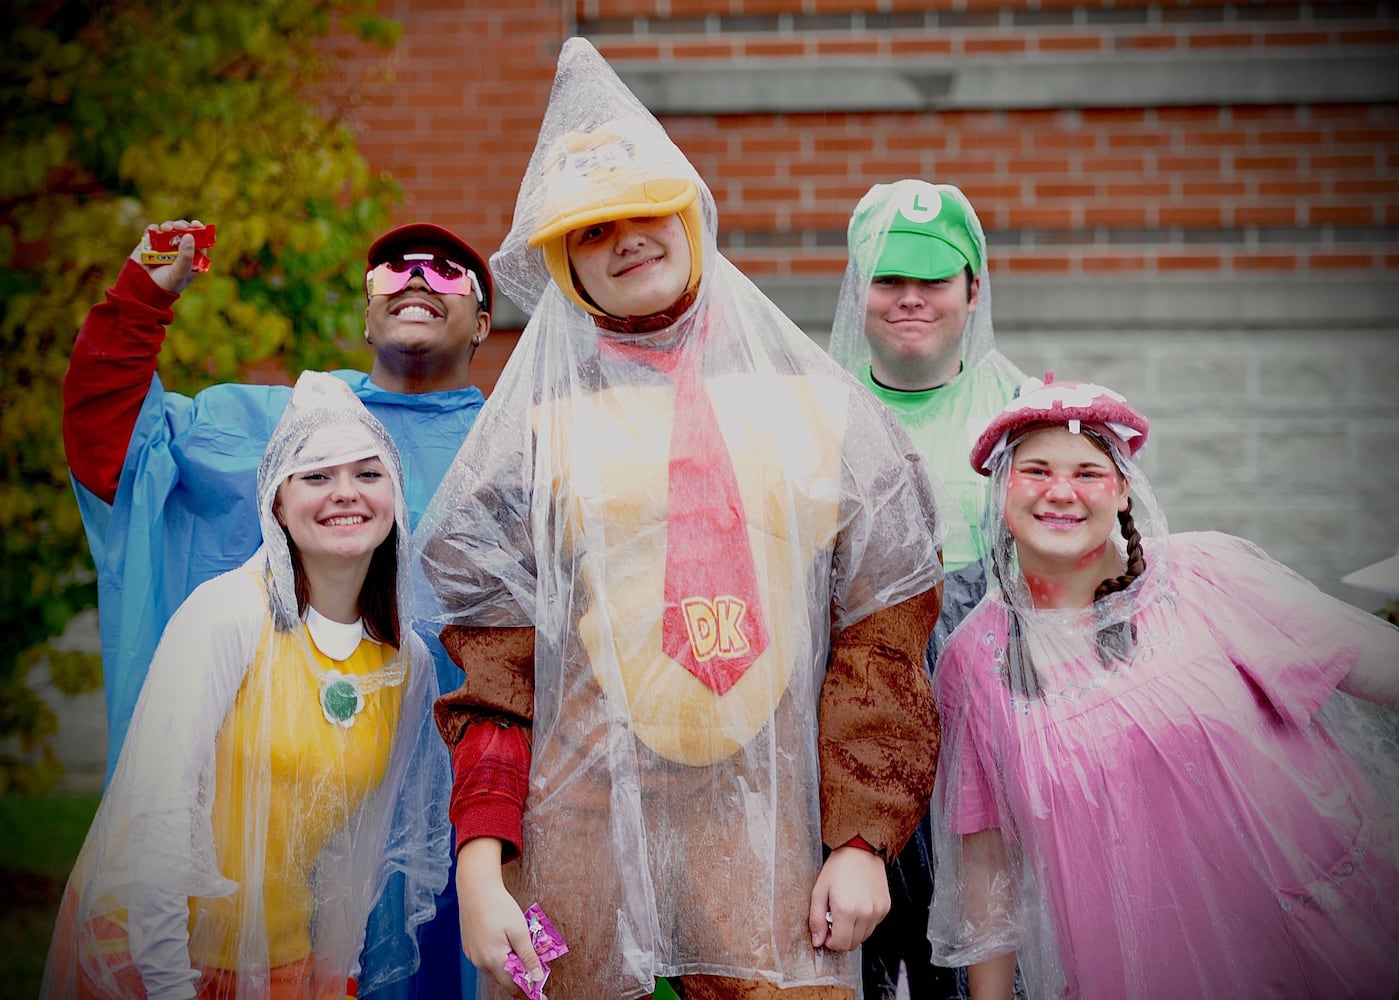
{"x": 1091, "y": 558}
{"x": 1043, "y": 589}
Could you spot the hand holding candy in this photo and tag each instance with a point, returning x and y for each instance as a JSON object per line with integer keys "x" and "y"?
{"x": 548, "y": 945}
{"x": 169, "y": 266}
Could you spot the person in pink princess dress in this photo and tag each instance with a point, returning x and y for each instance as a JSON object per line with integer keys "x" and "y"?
{"x": 1169, "y": 762}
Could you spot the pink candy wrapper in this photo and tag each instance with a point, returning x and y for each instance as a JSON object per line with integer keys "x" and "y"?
{"x": 548, "y": 945}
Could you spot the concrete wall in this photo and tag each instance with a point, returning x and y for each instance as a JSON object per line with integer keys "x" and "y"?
{"x": 1196, "y": 202}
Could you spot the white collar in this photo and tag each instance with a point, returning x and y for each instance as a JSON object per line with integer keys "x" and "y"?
{"x": 336, "y": 640}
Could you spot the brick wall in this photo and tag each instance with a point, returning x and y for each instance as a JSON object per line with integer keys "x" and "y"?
{"x": 1197, "y": 202}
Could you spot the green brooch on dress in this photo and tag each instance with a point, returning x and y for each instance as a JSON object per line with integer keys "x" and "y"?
{"x": 342, "y": 695}
{"x": 340, "y": 701}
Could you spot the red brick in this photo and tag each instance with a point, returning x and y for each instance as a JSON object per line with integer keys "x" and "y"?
{"x": 718, "y": 49}
{"x": 1041, "y": 217}
{"x": 1213, "y": 189}
{"x": 838, "y": 47}
{"x": 1195, "y": 260}
{"x": 1137, "y": 189}
{"x": 1035, "y": 265}
{"x": 758, "y": 48}
{"x": 907, "y": 140}
{"x": 1095, "y": 263}
{"x": 1291, "y": 137}
{"x": 1365, "y": 137}
{"x": 1107, "y": 166}
{"x": 972, "y": 166}
{"x": 1192, "y": 115}
{"x": 1161, "y": 42}
{"x": 1264, "y": 113}
{"x": 1265, "y": 164}
{"x": 1341, "y": 161}
{"x": 999, "y": 45}
{"x": 880, "y": 168}
{"x": 1369, "y": 36}
{"x": 1171, "y": 164}
{"x": 1065, "y": 189}
{"x": 1138, "y": 140}
{"x": 1069, "y": 43}
{"x": 982, "y": 192}
{"x": 930, "y": 45}
{"x": 1083, "y": 141}
{"x": 1366, "y": 186}
{"x": 822, "y": 144}
{"x": 1265, "y": 262}
{"x": 1219, "y": 40}
{"x": 771, "y": 144}
{"x": 1286, "y": 214}
{"x": 818, "y": 265}
{"x": 677, "y": 8}
{"x": 982, "y": 142}
{"x": 1289, "y": 189}
{"x": 1330, "y": 114}
{"x": 1207, "y": 216}
{"x": 1294, "y": 39}
{"x": 1335, "y": 261}
{"x": 1344, "y": 215}
{"x": 1113, "y": 116}
{"x": 747, "y": 219}
{"x": 1117, "y": 216}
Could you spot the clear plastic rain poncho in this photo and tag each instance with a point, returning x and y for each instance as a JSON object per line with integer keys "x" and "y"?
{"x": 673, "y": 816}
{"x": 1164, "y": 794}
{"x": 278, "y": 775}
{"x": 943, "y": 421}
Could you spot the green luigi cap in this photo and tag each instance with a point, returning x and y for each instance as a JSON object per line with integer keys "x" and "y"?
{"x": 931, "y": 232}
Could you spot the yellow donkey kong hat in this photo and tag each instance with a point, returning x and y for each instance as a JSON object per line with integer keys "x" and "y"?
{"x": 601, "y": 176}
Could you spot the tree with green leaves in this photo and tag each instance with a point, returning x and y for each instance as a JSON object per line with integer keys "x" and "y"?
{"x": 121, "y": 114}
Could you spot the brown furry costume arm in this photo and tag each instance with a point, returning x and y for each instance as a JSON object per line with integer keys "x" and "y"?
{"x": 878, "y": 729}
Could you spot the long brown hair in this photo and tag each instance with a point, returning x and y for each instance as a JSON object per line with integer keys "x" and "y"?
{"x": 378, "y": 595}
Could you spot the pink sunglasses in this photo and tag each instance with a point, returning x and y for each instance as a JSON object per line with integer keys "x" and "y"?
{"x": 443, "y": 276}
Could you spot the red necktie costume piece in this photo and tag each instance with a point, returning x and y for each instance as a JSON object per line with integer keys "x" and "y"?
{"x": 713, "y": 623}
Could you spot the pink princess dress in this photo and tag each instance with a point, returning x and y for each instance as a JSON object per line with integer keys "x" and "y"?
{"x": 1204, "y": 816}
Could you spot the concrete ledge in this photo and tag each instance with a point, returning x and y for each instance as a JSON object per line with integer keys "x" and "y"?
{"x": 1115, "y": 302}
{"x": 1149, "y": 80}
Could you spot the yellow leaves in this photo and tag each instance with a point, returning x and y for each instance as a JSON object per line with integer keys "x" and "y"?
{"x": 215, "y": 111}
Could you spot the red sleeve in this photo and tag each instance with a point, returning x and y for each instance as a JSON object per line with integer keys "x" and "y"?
{"x": 487, "y": 724}
{"x": 109, "y": 374}
{"x": 490, "y": 780}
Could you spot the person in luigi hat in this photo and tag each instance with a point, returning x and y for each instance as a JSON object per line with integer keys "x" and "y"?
{"x": 690, "y": 568}
{"x": 913, "y": 323}
{"x": 166, "y": 482}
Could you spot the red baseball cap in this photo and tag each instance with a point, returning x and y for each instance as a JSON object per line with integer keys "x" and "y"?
{"x": 426, "y": 235}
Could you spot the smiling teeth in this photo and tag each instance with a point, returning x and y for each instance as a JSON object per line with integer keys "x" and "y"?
{"x": 416, "y": 311}
{"x": 340, "y": 522}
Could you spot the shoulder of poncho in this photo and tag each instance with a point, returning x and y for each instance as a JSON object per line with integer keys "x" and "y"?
{"x": 236, "y": 599}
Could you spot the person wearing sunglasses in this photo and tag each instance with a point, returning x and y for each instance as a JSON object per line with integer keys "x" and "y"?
{"x": 166, "y": 483}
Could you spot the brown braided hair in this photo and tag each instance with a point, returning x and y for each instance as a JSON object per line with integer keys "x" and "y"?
{"x": 1115, "y": 642}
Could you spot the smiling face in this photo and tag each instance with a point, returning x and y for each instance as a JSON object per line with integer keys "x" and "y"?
{"x": 1063, "y": 495}
{"x": 337, "y": 514}
{"x": 914, "y": 328}
{"x": 422, "y": 340}
{"x": 632, "y": 267}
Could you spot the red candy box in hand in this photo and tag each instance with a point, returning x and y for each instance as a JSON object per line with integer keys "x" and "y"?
{"x": 165, "y": 245}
